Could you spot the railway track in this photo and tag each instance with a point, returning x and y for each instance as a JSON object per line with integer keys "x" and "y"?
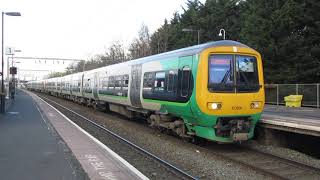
{"x": 268, "y": 164}
{"x": 126, "y": 146}
{"x": 286, "y": 168}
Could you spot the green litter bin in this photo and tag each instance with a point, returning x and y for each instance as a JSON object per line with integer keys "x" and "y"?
{"x": 293, "y": 100}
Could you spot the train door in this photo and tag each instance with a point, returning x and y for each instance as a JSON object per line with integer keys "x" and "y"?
{"x": 135, "y": 86}
{"x": 82, "y": 85}
{"x": 95, "y": 85}
{"x": 185, "y": 80}
{"x": 71, "y": 85}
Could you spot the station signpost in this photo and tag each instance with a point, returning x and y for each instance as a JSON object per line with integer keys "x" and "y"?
{"x": 2, "y": 94}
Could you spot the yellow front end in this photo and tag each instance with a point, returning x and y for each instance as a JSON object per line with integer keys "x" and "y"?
{"x": 229, "y": 106}
{"x": 232, "y": 103}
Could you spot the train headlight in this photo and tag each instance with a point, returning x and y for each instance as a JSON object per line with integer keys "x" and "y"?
{"x": 255, "y": 105}
{"x": 214, "y": 105}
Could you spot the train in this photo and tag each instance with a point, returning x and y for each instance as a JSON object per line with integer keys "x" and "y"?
{"x": 213, "y": 90}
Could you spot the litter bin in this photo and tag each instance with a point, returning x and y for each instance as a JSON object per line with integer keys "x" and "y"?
{"x": 293, "y": 100}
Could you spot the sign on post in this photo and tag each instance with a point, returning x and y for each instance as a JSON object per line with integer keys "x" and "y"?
{"x": 13, "y": 70}
{"x": 9, "y": 51}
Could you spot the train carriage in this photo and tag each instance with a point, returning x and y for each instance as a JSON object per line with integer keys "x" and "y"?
{"x": 213, "y": 90}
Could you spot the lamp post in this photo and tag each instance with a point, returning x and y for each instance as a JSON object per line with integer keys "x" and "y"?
{"x": 224, "y": 33}
{"x": 191, "y": 30}
{"x": 2, "y": 96}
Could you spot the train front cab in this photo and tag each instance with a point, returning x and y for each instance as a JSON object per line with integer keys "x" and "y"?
{"x": 229, "y": 93}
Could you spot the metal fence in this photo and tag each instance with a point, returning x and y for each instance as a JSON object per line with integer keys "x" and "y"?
{"x": 275, "y": 93}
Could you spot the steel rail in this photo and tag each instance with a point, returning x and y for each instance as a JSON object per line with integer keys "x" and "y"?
{"x": 287, "y": 161}
{"x": 163, "y": 162}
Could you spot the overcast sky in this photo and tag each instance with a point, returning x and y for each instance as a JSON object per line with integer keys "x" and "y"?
{"x": 79, "y": 28}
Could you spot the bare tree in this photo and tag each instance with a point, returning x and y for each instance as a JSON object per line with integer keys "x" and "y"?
{"x": 140, "y": 47}
{"x": 116, "y": 53}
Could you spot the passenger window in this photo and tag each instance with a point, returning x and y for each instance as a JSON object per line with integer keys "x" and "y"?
{"x": 148, "y": 80}
{"x": 118, "y": 82}
{"x": 185, "y": 81}
{"x": 159, "y": 81}
{"x": 104, "y": 83}
{"x": 125, "y": 80}
{"x": 170, "y": 83}
{"x": 111, "y": 83}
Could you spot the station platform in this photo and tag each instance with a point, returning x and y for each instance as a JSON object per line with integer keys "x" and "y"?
{"x": 38, "y": 142}
{"x": 301, "y": 120}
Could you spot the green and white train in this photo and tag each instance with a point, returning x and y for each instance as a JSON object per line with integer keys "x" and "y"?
{"x": 213, "y": 90}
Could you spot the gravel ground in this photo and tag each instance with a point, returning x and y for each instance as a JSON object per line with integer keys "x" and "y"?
{"x": 198, "y": 161}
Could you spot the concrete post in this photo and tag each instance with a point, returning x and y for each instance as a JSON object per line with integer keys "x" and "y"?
{"x": 277, "y": 94}
{"x": 318, "y": 95}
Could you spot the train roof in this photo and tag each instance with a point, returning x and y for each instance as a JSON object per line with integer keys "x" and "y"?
{"x": 187, "y": 51}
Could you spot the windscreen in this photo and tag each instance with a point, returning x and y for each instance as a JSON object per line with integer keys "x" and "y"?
{"x": 247, "y": 74}
{"x": 221, "y": 72}
{"x": 233, "y": 73}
